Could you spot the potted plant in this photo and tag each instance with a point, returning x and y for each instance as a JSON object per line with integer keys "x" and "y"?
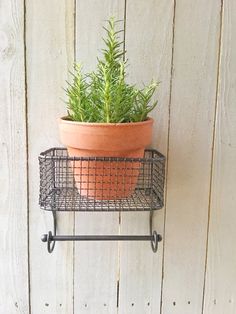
{"x": 107, "y": 117}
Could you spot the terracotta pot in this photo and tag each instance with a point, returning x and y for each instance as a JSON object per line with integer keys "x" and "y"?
{"x": 101, "y": 179}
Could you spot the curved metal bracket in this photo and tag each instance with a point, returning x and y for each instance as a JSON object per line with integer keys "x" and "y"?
{"x": 155, "y": 237}
{"x": 49, "y": 237}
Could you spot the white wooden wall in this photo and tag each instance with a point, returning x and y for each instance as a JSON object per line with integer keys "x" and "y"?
{"x": 190, "y": 46}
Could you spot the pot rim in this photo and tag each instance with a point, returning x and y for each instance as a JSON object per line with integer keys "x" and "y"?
{"x": 64, "y": 120}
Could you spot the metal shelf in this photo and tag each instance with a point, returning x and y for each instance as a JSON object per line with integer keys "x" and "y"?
{"x": 101, "y": 184}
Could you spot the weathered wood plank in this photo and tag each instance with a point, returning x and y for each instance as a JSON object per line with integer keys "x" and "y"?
{"x": 149, "y": 47}
{"x": 220, "y": 291}
{"x": 195, "y": 59}
{"x": 13, "y": 165}
{"x": 96, "y": 264}
{"x": 50, "y": 54}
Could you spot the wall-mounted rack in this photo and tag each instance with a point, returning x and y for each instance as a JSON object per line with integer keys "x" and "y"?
{"x": 101, "y": 184}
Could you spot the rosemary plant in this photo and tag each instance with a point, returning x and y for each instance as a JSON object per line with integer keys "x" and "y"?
{"x": 103, "y": 95}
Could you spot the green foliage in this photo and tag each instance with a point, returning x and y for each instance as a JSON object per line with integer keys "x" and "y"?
{"x": 104, "y": 95}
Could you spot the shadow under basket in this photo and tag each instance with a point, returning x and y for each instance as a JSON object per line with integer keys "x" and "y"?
{"x": 101, "y": 183}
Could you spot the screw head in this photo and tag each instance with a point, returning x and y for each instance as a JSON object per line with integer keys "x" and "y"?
{"x": 44, "y": 238}
{"x": 159, "y": 238}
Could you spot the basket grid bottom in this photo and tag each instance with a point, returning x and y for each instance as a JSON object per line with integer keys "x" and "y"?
{"x": 69, "y": 199}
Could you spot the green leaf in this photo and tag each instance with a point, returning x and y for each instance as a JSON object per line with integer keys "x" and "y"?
{"x": 103, "y": 95}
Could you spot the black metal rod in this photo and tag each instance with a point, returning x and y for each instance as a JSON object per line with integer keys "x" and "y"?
{"x": 101, "y": 238}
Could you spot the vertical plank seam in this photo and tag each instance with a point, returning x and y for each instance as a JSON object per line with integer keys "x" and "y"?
{"x": 125, "y": 16}
{"x": 212, "y": 152}
{"x": 167, "y": 152}
{"x": 27, "y": 156}
{"x": 120, "y": 215}
{"x": 73, "y": 253}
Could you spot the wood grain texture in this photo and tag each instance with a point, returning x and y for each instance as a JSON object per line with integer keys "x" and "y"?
{"x": 50, "y": 53}
{"x": 13, "y": 164}
{"x": 96, "y": 264}
{"x": 220, "y": 292}
{"x": 202, "y": 118}
{"x": 195, "y": 59}
{"x": 149, "y": 46}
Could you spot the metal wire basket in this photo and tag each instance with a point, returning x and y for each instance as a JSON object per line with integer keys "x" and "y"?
{"x": 101, "y": 183}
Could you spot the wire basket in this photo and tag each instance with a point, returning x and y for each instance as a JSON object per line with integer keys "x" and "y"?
{"x": 101, "y": 183}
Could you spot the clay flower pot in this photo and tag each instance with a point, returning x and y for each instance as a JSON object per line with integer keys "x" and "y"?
{"x": 104, "y": 180}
